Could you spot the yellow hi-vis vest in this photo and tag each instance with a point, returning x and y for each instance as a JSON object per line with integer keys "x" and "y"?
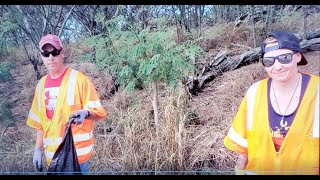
{"x": 76, "y": 92}
{"x": 250, "y": 134}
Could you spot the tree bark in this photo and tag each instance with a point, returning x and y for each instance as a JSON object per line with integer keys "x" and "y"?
{"x": 33, "y": 57}
{"x": 253, "y": 27}
{"x": 305, "y": 14}
{"x": 65, "y": 20}
{"x": 155, "y": 103}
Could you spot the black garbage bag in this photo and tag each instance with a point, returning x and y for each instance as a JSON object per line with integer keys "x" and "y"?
{"x": 65, "y": 160}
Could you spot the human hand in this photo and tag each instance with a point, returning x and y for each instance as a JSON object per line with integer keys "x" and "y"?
{"x": 79, "y": 116}
{"x": 241, "y": 164}
{"x": 37, "y": 159}
{"x": 239, "y": 171}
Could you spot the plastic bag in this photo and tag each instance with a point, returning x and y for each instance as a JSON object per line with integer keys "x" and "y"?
{"x": 65, "y": 160}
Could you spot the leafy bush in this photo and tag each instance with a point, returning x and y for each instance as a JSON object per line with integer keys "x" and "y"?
{"x": 140, "y": 56}
{"x": 5, "y": 111}
{"x": 5, "y": 74}
{"x": 6, "y": 26}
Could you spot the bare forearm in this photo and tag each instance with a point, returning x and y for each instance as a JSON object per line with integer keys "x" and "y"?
{"x": 242, "y": 161}
{"x": 39, "y": 139}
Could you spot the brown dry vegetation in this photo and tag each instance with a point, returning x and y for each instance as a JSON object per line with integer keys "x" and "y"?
{"x": 191, "y": 129}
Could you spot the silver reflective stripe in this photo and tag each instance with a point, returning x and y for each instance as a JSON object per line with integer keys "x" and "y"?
{"x": 315, "y": 131}
{"x": 250, "y": 173}
{"x": 76, "y": 138}
{"x": 93, "y": 104}
{"x": 251, "y": 95}
{"x": 49, "y": 155}
{"x": 52, "y": 141}
{"x": 235, "y": 137}
{"x": 80, "y": 152}
{"x": 84, "y": 151}
{"x": 34, "y": 117}
{"x": 82, "y": 137}
{"x": 39, "y": 93}
{"x": 71, "y": 87}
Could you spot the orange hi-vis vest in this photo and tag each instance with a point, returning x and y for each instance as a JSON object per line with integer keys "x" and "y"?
{"x": 76, "y": 92}
{"x": 250, "y": 134}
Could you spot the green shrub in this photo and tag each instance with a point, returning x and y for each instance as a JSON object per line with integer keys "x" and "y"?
{"x": 5, "y": 74}
{"x": 5, "y": 111}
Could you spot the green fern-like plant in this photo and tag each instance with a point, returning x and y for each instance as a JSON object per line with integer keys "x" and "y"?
{"x": 6, "y": 26}
{"x": 149, "y": 56}
{"x": 6, "y": 115}
{"x": 5, "y": 74}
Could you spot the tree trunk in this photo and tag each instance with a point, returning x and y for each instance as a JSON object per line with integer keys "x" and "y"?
{"x": 58, "y": 20}
{"x": 272, "y": 13}
{"x": 65, "y": 21}
{"x": 253, "y": 27}
{"x": 1, "y": 10}
{"x": 33, "y": 57}
{"x": 179, "y": 38}
{"x": 305, "y": 14}
{"x": 155, "y": 103}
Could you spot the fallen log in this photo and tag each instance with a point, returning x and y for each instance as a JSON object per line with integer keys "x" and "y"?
{"x": 310, "y": 45}
{"x": 310, "y": 34}
{"x": 222, "y": 62}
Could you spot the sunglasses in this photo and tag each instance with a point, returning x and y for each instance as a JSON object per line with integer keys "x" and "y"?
{"x": 54, "y": 53}
{"x": 282, "y": 58}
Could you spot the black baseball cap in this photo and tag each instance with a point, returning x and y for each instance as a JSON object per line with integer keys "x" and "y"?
{"x": 286, "y": 40}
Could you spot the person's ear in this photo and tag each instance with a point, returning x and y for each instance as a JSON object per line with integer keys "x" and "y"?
{"x": 62, "y": 53}
{"x": 299, "y": 56}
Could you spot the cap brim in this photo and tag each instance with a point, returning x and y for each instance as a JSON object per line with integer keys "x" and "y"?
{"x": 303, "y": 61}
{"x": 55, "y": 45}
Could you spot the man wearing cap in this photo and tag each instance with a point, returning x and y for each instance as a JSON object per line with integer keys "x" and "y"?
{"x": 276, "y": 128}
{"x": 61, "y": 95}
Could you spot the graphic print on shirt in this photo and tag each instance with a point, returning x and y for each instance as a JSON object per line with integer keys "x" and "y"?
{"x": 278, "y": 134}
{"x": 50, "y": 99}
{"x": 280, "y": 125}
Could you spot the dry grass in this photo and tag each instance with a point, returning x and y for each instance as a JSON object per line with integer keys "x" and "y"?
{"x": 132, "y": 144}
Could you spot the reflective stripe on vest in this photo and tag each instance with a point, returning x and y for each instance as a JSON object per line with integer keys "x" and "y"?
{"x": 250, "y": 173}
{"x": 251, "y": 95}
{"x": 34, "y": 117}
{"x": 39, "y": 93}
{"x": 80, "y": 152}
{"x": 76, "y": 138}
{"x": 315, "y": 130}
{"x": 235, "y": 137}
{"x": 93, "y": 104}
{"x": 71, "y": 86}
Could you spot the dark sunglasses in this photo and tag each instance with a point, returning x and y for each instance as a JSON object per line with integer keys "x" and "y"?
{"x": 54, "y": 53}
{"x": 282, "y": 58}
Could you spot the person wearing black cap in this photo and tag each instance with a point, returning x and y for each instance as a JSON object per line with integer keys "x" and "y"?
{"x": 276, "y": 128}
